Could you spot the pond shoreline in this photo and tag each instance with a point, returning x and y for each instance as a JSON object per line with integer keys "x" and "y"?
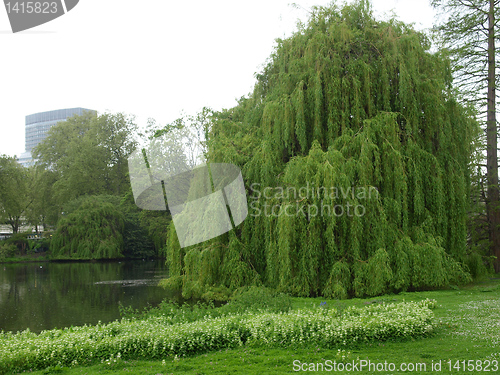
{"x": 44, "y": 257}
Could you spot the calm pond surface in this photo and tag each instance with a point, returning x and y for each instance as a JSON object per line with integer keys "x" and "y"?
{"x": 45, "y": 295}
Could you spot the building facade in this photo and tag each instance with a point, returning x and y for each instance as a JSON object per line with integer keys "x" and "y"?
{"x": 38, "y": 124}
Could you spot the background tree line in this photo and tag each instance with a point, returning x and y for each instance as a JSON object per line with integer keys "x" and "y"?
{"x": 79, "y": 189}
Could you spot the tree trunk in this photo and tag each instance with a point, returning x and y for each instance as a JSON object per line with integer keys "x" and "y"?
{"x": 14, "y": 223}
{"x": 493, "y": 202}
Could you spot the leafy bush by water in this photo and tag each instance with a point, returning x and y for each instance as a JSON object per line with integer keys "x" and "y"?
{"x": 7, "y": 250}
{"x": 244, "y": 300}
{"x": 257, "y": 299}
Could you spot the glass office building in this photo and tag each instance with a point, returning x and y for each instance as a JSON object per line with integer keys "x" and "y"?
{"x": 38, "y": 124}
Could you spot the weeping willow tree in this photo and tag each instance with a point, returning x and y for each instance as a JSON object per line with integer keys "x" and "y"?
{"x": 355, "y": 155}
{"x": 94, "y": 230}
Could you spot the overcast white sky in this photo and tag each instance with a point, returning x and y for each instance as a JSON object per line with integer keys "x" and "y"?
{"x": 152, "y": 58}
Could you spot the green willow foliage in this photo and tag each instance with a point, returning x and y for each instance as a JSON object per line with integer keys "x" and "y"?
{"x": 360, "y": 113}
{"x": 92, "y": 231}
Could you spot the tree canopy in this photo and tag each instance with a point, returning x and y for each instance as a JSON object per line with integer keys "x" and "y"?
{"x": 93, "y": 230}
{"x": 15, "y": 192}
{"x": 362, "y": 117}
{"x": 89, "y": 154}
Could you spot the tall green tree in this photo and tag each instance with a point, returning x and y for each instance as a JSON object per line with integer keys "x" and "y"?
{"x": 89, "y": 155}
{"x": 355, "y": 153}
{"x": 186, "y": 137}
{"x": 15, "y": 199}
{"x": 26, "y": 195}
{"x": 44, "y": 209}
{"x": 470, "y": 32}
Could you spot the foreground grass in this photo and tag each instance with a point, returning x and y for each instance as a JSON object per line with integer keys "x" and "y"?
{"x": 469, "y": 330}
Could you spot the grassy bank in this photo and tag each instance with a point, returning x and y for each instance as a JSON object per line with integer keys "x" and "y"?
{"x": 468, "y": 329}
{"x": 36, "y": 257}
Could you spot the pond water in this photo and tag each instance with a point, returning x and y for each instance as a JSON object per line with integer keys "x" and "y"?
{"x": 48, "y": 295}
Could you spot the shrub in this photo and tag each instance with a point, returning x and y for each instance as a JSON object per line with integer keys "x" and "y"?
{"x": 246, "y": 299}
{"x": 20, "y": 241}
{"x": 172, "y": 313}
{"x": 7, "y": 250}
{"x": 255, "y": 298}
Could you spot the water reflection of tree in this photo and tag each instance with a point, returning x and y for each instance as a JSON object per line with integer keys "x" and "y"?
{"x": 61, "y": 294}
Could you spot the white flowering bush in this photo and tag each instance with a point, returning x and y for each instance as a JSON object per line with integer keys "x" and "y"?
{"x": 430, "y": 303}
{"x": 156, "y": 338}
{"x": 327, "y": 328}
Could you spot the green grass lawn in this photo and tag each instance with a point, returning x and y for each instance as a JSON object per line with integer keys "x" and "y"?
{"x": 469, "y": 331}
